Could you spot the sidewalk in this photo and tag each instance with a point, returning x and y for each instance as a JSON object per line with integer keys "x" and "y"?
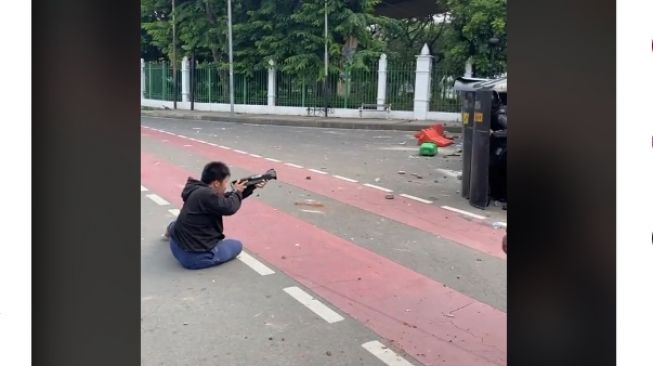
{"x": 303, "y": 121}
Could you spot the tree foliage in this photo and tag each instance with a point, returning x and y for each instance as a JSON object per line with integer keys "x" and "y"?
{"x": 291, "y": 33}
{"x": 474, "y": 25}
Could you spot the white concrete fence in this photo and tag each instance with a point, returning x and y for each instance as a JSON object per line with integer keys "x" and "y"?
{"x": 421, "y": 103}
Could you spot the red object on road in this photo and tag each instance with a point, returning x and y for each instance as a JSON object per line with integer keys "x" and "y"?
{"x": 434, "y": 134}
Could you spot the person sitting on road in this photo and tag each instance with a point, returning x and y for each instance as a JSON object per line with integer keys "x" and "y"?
{"x": 196, "y": 237}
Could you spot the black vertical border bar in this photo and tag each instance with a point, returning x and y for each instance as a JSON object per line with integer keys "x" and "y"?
{"x": 86, "y": 172}
{"x": 562, "y": 182}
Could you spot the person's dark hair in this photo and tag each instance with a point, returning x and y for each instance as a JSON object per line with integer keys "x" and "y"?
{"x": 215, "y": 170}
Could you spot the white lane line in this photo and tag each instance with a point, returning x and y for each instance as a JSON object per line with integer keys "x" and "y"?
{"x": 212, "y": 144}
{"x": 451, "y": 173}
{"x": 313, "y": 304}
{"x": 345, "y": 179}
{"x": 255, "y": 156}
{"x": 385, "y": 354}
{"x": 318, "y": 171}
{"x": 272, "y": 160}
{"x": 312, "y": 211}
{"x": 377, "y": 187}
{"x": 174, "y": 212}
{"x": 224, "y": 147}
{"x": 416, "y": 198}
{"x": 463, "y": 212}
{"x": 254, "y": 264}
{"x": 182, "y": 136}
{"x": 294, "y": 165}
{"x": 157, "y": 199}
{"x": 240, "y": 151}
{"x": 143, "y": 189}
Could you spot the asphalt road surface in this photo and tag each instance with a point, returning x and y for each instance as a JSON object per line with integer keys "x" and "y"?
{"x": 334, "y": 273}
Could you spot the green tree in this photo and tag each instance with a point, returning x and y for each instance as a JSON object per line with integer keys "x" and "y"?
{"x": 201, "y": 27}
{"x": 289, "y": 32}
{"x": 477, "y": 32}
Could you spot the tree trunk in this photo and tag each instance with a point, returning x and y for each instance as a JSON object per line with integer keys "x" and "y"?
{"x": 211, "y": 18}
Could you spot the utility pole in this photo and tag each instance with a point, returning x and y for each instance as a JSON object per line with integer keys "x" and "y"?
{"x": 192, "y": 80}
{"x": 174, "y": 57}
{"x": 326, "y": 57}
{"x": 231, "y": 59}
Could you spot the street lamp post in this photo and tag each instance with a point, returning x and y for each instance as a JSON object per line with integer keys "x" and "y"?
{"x": 231, "y": 59}
{"x": 326, "y": 57}
{"x": 174, "y": 57}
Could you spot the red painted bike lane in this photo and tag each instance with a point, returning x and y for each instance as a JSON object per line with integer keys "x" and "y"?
{"x": 420, "y": 316}
{"x": 426, "y": 217}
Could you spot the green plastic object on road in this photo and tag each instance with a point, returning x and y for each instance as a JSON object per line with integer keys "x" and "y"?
{"x": 428, "y": 149}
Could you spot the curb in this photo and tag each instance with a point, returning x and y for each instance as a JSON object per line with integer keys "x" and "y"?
{"x": 317, "y": 123}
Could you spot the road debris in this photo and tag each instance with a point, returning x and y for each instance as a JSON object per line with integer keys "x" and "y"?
{"x": 389, "y": 196}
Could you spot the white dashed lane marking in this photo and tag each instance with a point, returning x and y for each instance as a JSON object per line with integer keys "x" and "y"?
{"x": 313, "y": 304}
{"x": 377, "y": 187}
{"x": 157, "y": 199}
{"x": 416, "y": 198}
{"x": 313, "y": 211}
{"x": 345, "y": 179}
{"x": 255, "y": 264}
{"x": 317, "y": 171}
{"x": 463, "y": 212}
{"x": 385, "y": 354}
{"x": 143, "y": 189}
{"x": 294, "y": 165}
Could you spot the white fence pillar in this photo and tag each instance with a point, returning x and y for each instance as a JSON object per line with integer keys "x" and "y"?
{"x": 272, "y": 84}
{"x": 142, "y": 79}
{"x": 422, "y": 84}
{"x": 382, "y": 81}
{"x": 185, "y": 79}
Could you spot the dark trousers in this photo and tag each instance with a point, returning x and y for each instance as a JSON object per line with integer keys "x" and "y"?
{"x": 225, "y": 251}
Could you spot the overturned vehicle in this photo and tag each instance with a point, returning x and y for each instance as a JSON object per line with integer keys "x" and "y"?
{"x": 485, "y": 137}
